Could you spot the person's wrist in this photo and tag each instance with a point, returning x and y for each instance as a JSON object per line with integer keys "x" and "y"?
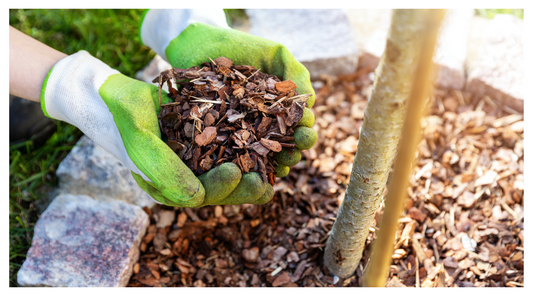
{"x": 72, "y": 79}
{"x": 71, "y": 93}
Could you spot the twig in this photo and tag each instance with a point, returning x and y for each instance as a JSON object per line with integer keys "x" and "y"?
{"x": 460, "y": 97}
{"x": 437, "y": 257}
{"x": 420, "y": 255}
{"x": 452, "y": 215}
{"x": 238, "y": 73}
{"x": 254, "y": 73}
{"x": 322, "y": 283}
{"x": 480, "y": 105}
{"x": 417, "y": 274}
{"x": 196, "y": 126}
{"x": 275, "y": 134}
{"x": 277, "y": 102}
{"x": 223, "y": 117}
{"x": 211, "y": 258}
{"x": 159, "y": 89}
{"x": 205, "y": 101}
{"x": 511, "y": 110}
{"x": 507, "y": 120}
{"x": 299, "y": 97}
{"x": 403, "y": 265}
{"x": 368, "y": 262}
{"x": 490, "y": 101}
{"x": 196, "y": 79}
{"x": 480, "y": 192}
{"x": 508, "y": 209}
{"x": 302, "y": 251}
{"x": 288, "y": 145}
{"x": 487, "y": 272}
{"x": 440, "y": 104}
{"x": 276, "y": 271}
{"x": 170, "y": 104}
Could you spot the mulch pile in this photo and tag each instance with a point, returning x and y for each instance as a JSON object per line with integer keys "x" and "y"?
{"x": 205, "y": 131}
{"x": 463, "y": 225}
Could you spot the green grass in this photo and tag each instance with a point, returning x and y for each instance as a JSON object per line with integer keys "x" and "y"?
{"x": 490, "y": 13}
{"x": 110, "y": 35}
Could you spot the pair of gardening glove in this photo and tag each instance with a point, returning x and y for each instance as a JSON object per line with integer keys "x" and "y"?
{"x": 120, "y": 113}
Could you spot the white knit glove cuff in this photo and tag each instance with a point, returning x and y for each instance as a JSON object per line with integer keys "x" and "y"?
{"x": 71, "y": 95}
{"x": 161, "y": 26}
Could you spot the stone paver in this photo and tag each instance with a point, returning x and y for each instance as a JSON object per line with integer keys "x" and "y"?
{"x": 452, "y": 47}
{"x": 321, "y": 39}
{"x": 495, "y": 62}
{"x": 372, "y": 26}
{"x": 83, "y": 242}
{"x": 90, "y": 170}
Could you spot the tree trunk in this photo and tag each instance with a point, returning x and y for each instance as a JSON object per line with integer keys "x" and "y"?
{"x": 378, "y": 270}
{"x": 379, "y": 138}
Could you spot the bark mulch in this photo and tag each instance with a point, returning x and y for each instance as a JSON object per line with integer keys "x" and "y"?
{"x": 258, "y": 120}
{"x": 463, "y": 225}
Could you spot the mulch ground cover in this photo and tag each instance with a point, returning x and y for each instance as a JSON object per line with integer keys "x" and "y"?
{"x": 463, "y": 225}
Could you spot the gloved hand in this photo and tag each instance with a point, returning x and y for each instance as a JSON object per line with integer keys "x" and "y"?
{"x": 187, "y": 38}
{"x": 120, "y": 114}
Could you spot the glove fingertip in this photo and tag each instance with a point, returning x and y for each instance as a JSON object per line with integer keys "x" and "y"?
{"x": 308, "y": 118}
{"x": 266, "y": 197}
{"x": 305, "y": 138}
{"x": 164, "y": 197}
{"x": 289, "y": 158}
{"x": 250, "y": 188}
{"x": 220, "y": 182}
{"x": 311, "y": 101}
{"x": 281, "y": 171}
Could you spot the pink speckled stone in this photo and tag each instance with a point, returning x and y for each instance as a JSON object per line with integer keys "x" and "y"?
{"x": 83, "y": 242}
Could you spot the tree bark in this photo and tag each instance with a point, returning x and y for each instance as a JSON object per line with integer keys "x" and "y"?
{"x": 377, "y": 273}
{"x": 379, "y": 138}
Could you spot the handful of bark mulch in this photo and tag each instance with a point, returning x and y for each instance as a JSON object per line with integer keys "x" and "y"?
{"x": 229, "y": 113}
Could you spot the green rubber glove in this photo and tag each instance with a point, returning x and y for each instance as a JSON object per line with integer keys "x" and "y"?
{"x": 135, "y": 105}
{"x": 120, "y": 114}
{"x": 198, "y": 42}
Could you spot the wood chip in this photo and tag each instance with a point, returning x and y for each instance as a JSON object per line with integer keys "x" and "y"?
{"x": 272, "y": 145}
{"x": 206, "y": 137}
{"x": 285, "y": 86}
